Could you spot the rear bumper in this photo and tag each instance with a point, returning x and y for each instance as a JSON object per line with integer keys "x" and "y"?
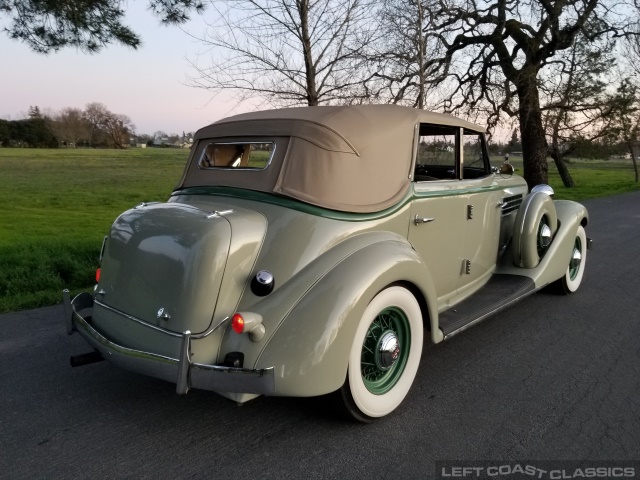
{"x": 180, "y": 371}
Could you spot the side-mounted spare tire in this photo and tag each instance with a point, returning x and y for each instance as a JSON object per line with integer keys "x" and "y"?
{"x": 534, "y": 228}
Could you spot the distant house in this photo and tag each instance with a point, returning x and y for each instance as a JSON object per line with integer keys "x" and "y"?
{"x": 174, "y": 141}
{"x": 160, "y": 141}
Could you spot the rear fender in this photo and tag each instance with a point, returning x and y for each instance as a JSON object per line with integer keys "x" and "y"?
{"x": 310, "y": 348}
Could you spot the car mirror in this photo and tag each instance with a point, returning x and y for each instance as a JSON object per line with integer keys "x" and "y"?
{"x": 506, "y": 168}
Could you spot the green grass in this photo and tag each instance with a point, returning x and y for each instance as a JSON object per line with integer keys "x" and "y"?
{"x": 56, "y": 206}
{"x": 593, "y": 178}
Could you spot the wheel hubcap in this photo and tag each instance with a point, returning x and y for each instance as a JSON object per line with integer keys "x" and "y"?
{"x": 576, "y": 259}
{"x": 385, "y": 350}
{"x": 388, "y": 350}
{"x": 544, "y": 237}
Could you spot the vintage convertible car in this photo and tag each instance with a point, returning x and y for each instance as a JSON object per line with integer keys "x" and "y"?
{"x": 305, "y": 251}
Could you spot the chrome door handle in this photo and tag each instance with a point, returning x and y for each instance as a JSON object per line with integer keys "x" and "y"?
{"x": 420, "y": 220}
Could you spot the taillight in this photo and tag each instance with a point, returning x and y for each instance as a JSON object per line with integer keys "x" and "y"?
{"x": 237, "y": 323}
{"x": 98, "y": 275}
{"x": 248, "y": 322}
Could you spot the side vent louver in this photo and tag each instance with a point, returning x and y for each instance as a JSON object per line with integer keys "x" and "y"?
{"x": 511, "y": 204}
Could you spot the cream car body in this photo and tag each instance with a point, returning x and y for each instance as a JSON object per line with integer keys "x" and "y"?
{"x": 337, "y": 234}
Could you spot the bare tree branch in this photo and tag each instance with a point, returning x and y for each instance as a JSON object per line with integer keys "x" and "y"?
{"x": 287, "y": 52}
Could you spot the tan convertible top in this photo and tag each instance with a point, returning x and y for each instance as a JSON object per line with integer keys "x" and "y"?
{"x": 348, "y": 158}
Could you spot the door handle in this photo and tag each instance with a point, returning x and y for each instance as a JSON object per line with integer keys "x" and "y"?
{"x": 418, "y": 220}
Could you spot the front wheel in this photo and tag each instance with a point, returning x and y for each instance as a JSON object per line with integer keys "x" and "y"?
{"x": 572, "y": 278}
{"x": 384, "y": 356}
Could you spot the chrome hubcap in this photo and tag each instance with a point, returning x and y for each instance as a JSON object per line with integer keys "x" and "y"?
{"x": 544, "y": 238}
{"x": 576, "y": 259}
{"x": 388, "y": 350}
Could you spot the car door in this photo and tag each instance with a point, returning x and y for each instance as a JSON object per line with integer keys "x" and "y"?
{"x": 438, "y": 222}
{"x": 437, "y": 233}
{"x": 483, "y": 197}
{"x": 455, "y": 221}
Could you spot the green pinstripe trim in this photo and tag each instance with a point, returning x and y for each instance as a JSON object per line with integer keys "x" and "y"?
{"x": 325, "y": 212}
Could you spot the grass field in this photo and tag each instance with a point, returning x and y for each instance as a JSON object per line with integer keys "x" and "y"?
{"x": 57, "y": 205}
{"x": 593, "y": 178}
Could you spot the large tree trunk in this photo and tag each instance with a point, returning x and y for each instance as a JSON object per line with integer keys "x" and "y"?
{"x": 534, "y": 143}
{"x": 558, "y": 159}
{"x": 567, "y": 180}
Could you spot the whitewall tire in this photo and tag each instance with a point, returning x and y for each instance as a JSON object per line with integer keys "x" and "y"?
{"x": 572, "y": 278}
{"x": 384, "y": 357}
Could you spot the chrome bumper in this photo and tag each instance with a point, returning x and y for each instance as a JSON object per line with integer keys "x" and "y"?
{"x": 180, "y": 371}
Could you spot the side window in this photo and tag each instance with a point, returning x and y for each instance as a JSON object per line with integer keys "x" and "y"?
{"x": 439, "y": 156}
{"x": 437, "y": 152}
{"x": 476, "y": 162}
{"x": 241, "y": 155}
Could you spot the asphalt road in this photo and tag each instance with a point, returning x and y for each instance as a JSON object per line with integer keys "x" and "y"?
{"x": 553, "y": 378}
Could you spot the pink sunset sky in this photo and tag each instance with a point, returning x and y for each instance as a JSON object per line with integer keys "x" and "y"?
{"x": 148, "y": 84}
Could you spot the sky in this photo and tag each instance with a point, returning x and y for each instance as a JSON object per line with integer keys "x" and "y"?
{"x": 148, "y": 84}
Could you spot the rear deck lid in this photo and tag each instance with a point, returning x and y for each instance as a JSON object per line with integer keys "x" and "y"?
{"x": 164, "y": 263}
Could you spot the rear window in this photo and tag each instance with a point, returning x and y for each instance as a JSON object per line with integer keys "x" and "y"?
{"x": 237, "y": 155}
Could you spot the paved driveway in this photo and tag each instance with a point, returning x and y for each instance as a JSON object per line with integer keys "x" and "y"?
{"x": 553, "y": 378}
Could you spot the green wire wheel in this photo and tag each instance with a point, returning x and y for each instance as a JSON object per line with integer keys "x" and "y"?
{"x": 384, "y": 356}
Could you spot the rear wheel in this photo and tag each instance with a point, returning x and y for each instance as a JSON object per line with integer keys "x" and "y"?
{"x": 384, "y": 357}
{"x": 572, "y": 278}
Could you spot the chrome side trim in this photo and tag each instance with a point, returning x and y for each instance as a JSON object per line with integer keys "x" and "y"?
{"x": 510, "y": 204}
{"x": 155, "y": 327}
{"x": 134, "y": 319}
{"x": 180, "y": 371}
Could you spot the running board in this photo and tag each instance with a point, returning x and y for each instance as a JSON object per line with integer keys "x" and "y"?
{"x": 499, "y": 293}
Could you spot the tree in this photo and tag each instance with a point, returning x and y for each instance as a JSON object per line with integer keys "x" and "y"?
{"x": 623, "y": 109}
{"x": 107, "y": 128}
{"x": 496, "y": 49}
{"x": 572, "y": 90}
{"x": 49, "y": 25}
{"x": 405, "y": 57}
{"x": 144, "y": 138}
{"x": 118, "y": 128}
{"x": 94, "y": 115}
{"x": 71, "y": 127}
{"x": 28, "y": 132}
{"x": 514, "y": 143}
{"x": 34, "y": 112}
{"x": 5, "y": 133}
{"x": 289, "y": 52}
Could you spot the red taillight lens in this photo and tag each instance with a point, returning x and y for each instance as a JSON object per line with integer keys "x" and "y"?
{"x": 98, "y": 275}
{"x": 237, "y": 323}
